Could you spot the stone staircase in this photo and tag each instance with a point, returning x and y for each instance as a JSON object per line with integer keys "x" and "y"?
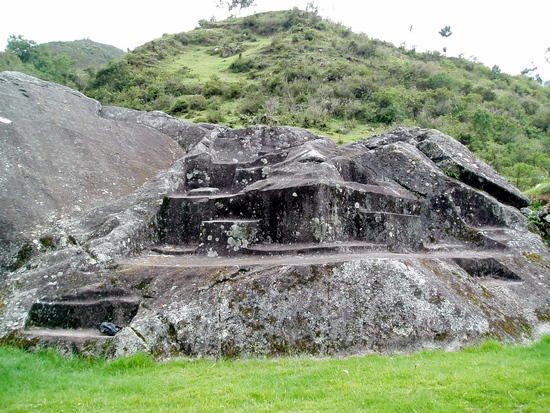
{"x": 288, "y": 220}
{"x": 72, "y": 320}
{"x": 204, "y": 221}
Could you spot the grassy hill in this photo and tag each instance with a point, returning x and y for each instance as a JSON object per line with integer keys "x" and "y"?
{"x": 70, "y": 63}
{"x": 296, "y": 68}
{"x": 85, "y": 53}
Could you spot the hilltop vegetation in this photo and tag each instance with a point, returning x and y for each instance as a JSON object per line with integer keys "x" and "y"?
{"x": 85, "y": 53}
{"x": 295, "y": 68}
{"x": 69, "y": 63}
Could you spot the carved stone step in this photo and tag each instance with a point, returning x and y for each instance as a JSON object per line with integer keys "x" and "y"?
{"x": 397, "y": 230}
{"x": 290, "y": 211}
{"x": 495, "y": 237}
{"x": 313, "y": 248}
{"x": 440, "y": 247}
{"x": 77, "y": 341}
{"x": 227, "y": 236}
{"x": 199, "y": 196}
{"x": 204, "y": 191}
{"x": 182, "y": 215}
{"x": 75, "y": 334}
{"x": 386, "y": 214}
{"x": 89, "y": 313}
{"x": 487, "y": 268}
{"x": 175, "y": 249}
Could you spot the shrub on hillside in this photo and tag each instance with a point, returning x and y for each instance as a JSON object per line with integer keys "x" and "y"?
{"x": 487, "y": 94}
{"x": 233, "y": 90}
{"x": 213, "y": 87}
{"x": 183, "y": 104}
{"x": 529, "y": 105}
{"x": 116, "y": 76}
{"x": 197, "y": 102}
{"x": 439, "y": 81}
{"x": 183, "y": 38}
{"x": 241, "y": 65}
{"x": 542, "y": 120}
{"x": 226, "y": 49}
{"x": 163, "y": 103}
{"x": 251, "y": 104}
{"x": 180, "y": 105}
{"x": 315, "y": 115}
{"x": 441, "y": 102}
{"x": 207, "y": 37}
{"x": 177, "y": 87}
{"x": 363, "y": 48}
{"x": 214, "y": 116}
{"x": 389, "y": 107}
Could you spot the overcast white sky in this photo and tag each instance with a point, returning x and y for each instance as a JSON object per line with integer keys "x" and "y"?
{"x": 511, "y": 34}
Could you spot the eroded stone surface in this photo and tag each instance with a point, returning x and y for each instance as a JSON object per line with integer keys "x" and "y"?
{"x": 271, "y": 240}
{"x": 59, "y": 156}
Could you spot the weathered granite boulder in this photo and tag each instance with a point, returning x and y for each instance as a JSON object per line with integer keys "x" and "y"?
{"x": 59, "y": 156}
{"x": 184, "y": 133}
{"x": 271, "y": 240}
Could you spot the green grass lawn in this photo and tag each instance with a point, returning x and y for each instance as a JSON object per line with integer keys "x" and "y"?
{"x": 491, "y": 377}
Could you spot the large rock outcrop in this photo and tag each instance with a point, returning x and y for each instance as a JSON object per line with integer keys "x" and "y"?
{"x": 272, "y": 240}
{"x": 59, "y": 155}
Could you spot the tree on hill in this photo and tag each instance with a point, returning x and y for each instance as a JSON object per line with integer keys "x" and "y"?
{"x": 40, "y": 61}
{"x": 21, "y": 47}
{"x": 234, "y": 4}
{"x": 445, "y": 32}
{"x": 311, "y": 7}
